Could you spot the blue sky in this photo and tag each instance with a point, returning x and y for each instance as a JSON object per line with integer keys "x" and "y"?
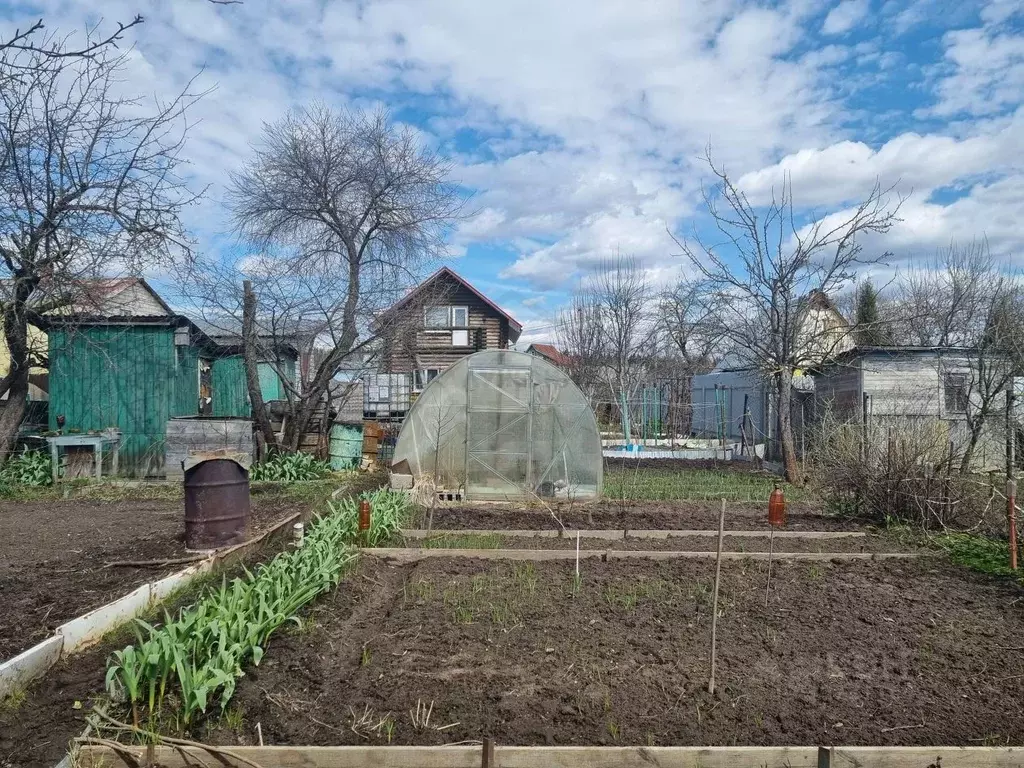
{"x": 578, "y": 126}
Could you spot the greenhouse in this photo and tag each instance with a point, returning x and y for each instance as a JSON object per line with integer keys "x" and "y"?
{"x": 503, "y": 425}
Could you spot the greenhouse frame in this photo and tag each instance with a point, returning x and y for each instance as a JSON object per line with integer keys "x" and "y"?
{"x": 502, "y": 425}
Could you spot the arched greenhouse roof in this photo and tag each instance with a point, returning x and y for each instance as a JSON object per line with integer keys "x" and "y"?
{"x": 500, "y": 424}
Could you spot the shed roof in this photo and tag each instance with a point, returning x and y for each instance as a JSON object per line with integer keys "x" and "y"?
{"x": 901, "y": 349}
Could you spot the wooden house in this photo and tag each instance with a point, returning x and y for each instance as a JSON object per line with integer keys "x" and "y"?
{"x": 442, "y": 320}
{"x": 549, "y": 352}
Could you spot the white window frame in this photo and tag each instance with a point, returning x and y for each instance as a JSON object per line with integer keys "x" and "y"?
{"x": 446, "y": 323}
{"x": 423, "y": 376}
{"x": 958, "y": 391}
{"x": 460, "y": 337}
{"x": 451, "y": 317}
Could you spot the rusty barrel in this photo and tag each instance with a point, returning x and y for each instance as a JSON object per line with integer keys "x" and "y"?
{"x": 216, "y": 504}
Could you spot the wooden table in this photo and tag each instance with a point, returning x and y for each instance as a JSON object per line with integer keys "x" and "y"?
{"x": 96, "y": 441}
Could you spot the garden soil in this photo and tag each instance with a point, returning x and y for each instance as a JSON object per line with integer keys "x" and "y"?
{"x": 870, "y": 543}
{"x": 636, "y": 515}
{"x": 54, "y": 557}
{"x": 858, "y": 653}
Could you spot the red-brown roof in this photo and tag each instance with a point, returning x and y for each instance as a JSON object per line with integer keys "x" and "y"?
{"x": 515, "y": 327}
{"x": 551, "y": 352}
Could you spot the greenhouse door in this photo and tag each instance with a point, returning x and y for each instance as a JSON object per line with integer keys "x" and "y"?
{"x": 498, "y": 432}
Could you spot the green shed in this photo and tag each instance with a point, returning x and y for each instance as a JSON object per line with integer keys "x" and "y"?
{"x": 133, "y": 374}
{"x": 231, "y": 393}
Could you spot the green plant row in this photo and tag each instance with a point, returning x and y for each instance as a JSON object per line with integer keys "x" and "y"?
{"x": 388, "y": 513}
{"x": 290, "y": 468}
{"x": 198, "y": 657}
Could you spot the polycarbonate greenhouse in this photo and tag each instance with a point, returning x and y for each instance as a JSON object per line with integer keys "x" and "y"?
{"x": 503, "y": 425}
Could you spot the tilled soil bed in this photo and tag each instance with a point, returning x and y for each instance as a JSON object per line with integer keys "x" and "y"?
{"x": 871, "y": 543}
{"x": 679, "y": 515}
{"x": 54, "y": 557}
{"x": 871, "y": 653}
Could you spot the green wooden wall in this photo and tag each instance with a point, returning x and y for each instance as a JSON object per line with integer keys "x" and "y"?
{"x": 128, "y": 377}
{"x": 230, "y": 394}
{"x": 271, "y": 386}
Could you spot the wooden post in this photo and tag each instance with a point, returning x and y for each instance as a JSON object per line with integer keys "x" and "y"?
{"x": 487, "y": 758}
{"x": 824, "y": 757}
{"x": 714, "y": 599}
{"x": 743, "y": 425}
{"x": 1011, "y": 482}
{"x": 864, "y": 428}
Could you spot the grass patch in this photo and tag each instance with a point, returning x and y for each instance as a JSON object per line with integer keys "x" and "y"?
{"x": 979, "y": 553}
{"x": 694, "y": 484}
{"x": 464, "y": 541}
{"x": 497, "y": 597}
{"x": 627, "y": 595}
{"x": 13, "y": 701}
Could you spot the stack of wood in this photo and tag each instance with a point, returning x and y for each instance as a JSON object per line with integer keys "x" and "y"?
{"x": 372, "y": 433}
{"x": 315, "y": 440}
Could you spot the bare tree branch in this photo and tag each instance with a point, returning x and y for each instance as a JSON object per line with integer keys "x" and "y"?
{"x": 766, "y": 282}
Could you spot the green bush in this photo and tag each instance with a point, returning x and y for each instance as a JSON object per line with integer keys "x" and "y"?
{"x": 290, "y": 468}
{"x": 27, "y": 468}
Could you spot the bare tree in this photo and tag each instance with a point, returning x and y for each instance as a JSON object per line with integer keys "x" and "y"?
{"x": 689, "y": 323}
{"x": 760, "y": 279}
{"x": 964, "y": 301}
{"x": 90, "y": 185}
{"x": 629, "y": 326}
{"x": 344, "y": 207}
{"x": 609, "y": 332}
{"x": 34, "y": 40}
{"x": 580, "y": 338}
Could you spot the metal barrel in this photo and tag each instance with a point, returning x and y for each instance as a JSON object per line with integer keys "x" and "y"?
{"x": 216, "y": 504}
{"x": 346, "y": 446}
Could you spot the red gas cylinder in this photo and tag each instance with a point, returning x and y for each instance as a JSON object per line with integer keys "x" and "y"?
{"x": 777, "y": 508}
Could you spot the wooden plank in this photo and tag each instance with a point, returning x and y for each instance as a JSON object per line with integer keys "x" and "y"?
{"x": 574, "y": 757}
{"x": 927, "y": 757}
{"x": 611, "y": 534}
{"x": 408, "y": 555}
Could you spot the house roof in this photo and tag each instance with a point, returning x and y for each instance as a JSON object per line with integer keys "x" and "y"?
{"x": 515, "y": 327}
{"x": 107, "y": 289}
{"x": 901, "y": 349}
{"x": 551, "y": 352}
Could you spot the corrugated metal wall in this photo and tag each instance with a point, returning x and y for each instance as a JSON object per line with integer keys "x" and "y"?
{"x": 230, "y": 394}
{"x": 129, "y": 377}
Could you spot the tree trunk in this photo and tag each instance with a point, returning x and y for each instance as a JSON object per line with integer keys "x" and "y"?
{"x": 250, "y": 355}
{"x": 973, "y": 438}
{"x": 784, "y": 384}
{"x": 13, "y": 410}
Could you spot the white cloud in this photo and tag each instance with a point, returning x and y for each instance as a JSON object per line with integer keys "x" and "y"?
{"x": 985, "y": 68}
{"x": 592, "y": 113}
{"x": 534, "y": 301}
{"x": 845, "y": 16}
{"x": 847, "y": 170}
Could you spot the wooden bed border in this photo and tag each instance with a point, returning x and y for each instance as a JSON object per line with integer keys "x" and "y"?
{"x": 490, "y": 756}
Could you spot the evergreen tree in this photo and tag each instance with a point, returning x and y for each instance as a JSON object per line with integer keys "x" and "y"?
{"x": 869, "y": 330}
